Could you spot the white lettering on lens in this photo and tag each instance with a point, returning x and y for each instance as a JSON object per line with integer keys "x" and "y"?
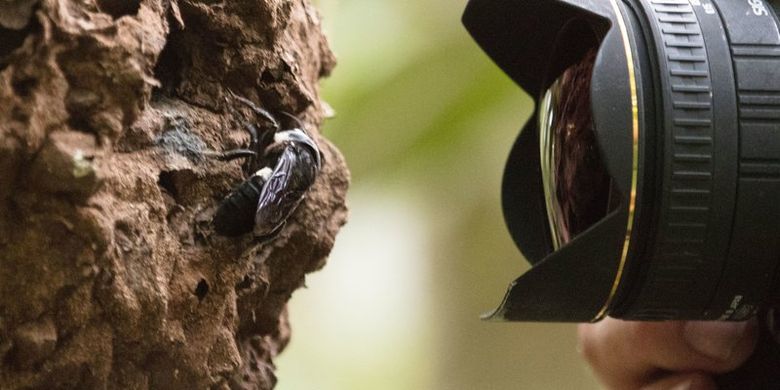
{"x": 732, "y": 308}
{"x": 759, "y": 9}
{"x": 708, "y": 8}
{"x": 735, "y": 301}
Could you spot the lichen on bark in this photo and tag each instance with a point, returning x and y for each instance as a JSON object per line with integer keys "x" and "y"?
{"x": 110, "y": 273}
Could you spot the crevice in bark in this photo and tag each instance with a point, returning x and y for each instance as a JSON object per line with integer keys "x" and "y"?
{"x": 23, "y": 86}
{"x": 119, "y": 8}
{"x": 202, "y": 289}
{"x": 170, "y": 65}
{"x": 12, "y": 39}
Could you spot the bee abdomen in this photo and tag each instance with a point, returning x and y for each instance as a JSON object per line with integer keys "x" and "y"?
{"x": 236, "y": 214}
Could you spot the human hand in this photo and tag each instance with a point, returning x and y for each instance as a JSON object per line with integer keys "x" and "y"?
{"x": 680, "y": 355}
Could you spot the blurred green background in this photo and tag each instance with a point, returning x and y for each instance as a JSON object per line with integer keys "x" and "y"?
{"x": 425, "y": 121}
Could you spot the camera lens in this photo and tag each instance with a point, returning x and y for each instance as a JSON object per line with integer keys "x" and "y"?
{"x": 646, "y": 185}
{"x": 576, "y": 182}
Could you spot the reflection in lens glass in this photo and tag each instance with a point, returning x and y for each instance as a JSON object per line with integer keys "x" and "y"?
{"x": 577, "y": 186}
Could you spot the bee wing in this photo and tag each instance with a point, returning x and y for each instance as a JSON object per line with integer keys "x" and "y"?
{"x": 284, "y": 190}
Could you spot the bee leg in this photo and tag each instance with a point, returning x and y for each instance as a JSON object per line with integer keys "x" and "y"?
{"x": 294, "y": 118}
{"x": 270, "y": 236}
{"x": 250, "y": 153}
{"x": 257, "y": 142}
{"x": 257, "y": 110}
{"x": 234, "y": 154}
{"x": 263, "y": 141}
{"x": 254, "y": 139}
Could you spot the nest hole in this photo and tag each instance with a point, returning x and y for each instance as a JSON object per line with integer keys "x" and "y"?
{"x": 24, "y": 86}
{"x": 181, "y": 185}
{"x": 119, "y": 8}
{"x": 202, "y": 289}
{"x": 14, "y": 39}
{"x": 166, "y": 182}
{"x": 170, "y": 64}
{"x": 245, "y": 283}
{"x": 80, "y": 123}
{"x": 268, "y": 77}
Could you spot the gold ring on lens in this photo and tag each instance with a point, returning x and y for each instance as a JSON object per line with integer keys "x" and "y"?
{"x": 635, "y": 159}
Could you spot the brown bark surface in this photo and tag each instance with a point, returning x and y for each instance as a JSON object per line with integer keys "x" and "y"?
{"x": 110, "y": 273}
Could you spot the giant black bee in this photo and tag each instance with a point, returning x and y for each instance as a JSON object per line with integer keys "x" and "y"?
{"x": 281, "y": 169}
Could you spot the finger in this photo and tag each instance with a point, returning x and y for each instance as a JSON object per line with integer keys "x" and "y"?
{"x": 626, "y": 354}
{"x": 688, "y": 381}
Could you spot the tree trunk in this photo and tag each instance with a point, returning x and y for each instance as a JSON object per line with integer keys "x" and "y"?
{"x": 111, "y": 275}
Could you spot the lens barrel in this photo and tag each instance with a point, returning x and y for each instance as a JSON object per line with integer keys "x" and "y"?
{"x": 685, "y": 101}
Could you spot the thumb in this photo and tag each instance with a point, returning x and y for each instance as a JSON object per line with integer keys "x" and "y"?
{"x": 629, "y": 355}
{"x": 686, "y": 381}
{"x": 716, "y": 340}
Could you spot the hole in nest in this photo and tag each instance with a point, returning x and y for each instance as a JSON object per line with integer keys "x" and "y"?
{"x": 246, "y": 282}
{"x": 119, "y": 8}
{"x": 182, "y": 185}
{"x": 79, "y": 123}
{"x": 23, "y": 86}
{"x": 202, "y": 289}
{"x": 166, "y": 181}
{"x": 11, "y": 39}
{"x": 268, "y": 77}
{"x": 168, "y": 69}
{"x": 19, "y": 115}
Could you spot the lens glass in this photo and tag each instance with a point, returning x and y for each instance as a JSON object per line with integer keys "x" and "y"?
{"x": 577, "y": 186}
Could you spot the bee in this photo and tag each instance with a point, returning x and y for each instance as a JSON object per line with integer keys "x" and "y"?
{"x": 281, "y": 170}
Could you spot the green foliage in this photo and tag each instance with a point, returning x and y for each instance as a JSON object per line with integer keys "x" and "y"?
{"x": 425, "y": 121}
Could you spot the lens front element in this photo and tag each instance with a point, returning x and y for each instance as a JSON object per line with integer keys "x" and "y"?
{"x": 576, "y": 182}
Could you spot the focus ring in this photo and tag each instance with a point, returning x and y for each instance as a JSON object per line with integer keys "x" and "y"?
{"x": 678, "y": 257}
